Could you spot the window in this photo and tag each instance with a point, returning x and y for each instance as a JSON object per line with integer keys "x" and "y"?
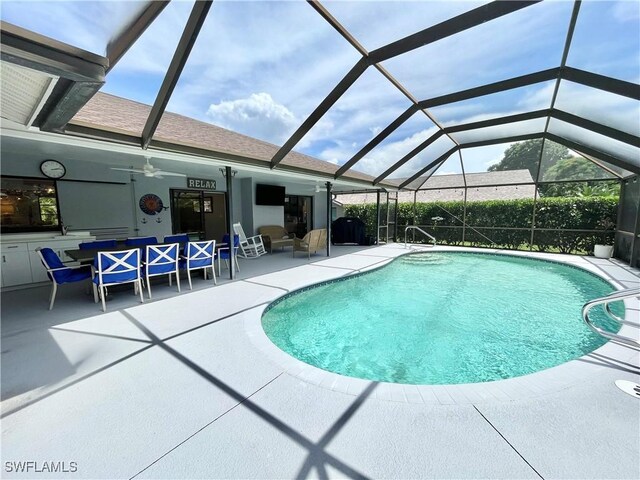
{"x": 28, "y": 205}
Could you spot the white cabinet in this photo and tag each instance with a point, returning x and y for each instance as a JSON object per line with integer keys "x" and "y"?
{"x": 20, "y": 263}
{"x": 15, "y": 266}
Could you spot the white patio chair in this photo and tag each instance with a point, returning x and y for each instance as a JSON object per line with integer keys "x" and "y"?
{"x": 199, "y": 256}
{"x": 114, "y": 268}
{"x": 250, "y": 247}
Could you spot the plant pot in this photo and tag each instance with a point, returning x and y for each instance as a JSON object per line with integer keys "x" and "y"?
{"x": 603, "y": 251}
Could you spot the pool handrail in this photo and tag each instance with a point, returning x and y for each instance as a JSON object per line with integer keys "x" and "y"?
{"x": 606, "y": 300}
{"x": 414, "y": 227}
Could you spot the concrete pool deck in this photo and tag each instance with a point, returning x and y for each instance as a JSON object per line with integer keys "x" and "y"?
{"x": 187, "y": 386}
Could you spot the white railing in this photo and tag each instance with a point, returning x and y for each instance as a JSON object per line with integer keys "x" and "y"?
{"x": 614, "y": 297}
{"x": 413, "y": 227}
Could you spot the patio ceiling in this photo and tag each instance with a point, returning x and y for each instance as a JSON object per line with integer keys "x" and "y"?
{"x": 582, "y": 101}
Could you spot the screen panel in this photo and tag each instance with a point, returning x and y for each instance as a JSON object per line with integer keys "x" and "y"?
{"x": 604, "y": 144}
{"x": 509, "y": 102}
{"x": 561, "y": 164}
{"x": 369, "y": 106}
{"x": 525, "y": 41}
{"x": 88, "y": 25}
{"x": 448, "y": 175}
{"x": 401, "y": 18}
{"x": 535, "y": 125}
{"x": 502, "y": 164}
{"x": 411, "y": 134}
{"x": 606, "y": 39}
{"x": 602, "y": 107}
{"x": 141, "y": 70}
{"x": 260, "y": 68}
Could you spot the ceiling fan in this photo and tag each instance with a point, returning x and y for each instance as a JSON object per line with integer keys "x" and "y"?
{"x": 150, "y": 171}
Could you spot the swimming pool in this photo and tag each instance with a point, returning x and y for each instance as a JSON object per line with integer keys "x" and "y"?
{"x": 442, "y": 318}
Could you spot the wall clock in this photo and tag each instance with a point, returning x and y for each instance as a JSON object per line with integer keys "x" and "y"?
{"x": 151, "y": 204}
{"x": 52, "y": 169}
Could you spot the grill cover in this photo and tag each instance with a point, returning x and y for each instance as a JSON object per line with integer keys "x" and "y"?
{"x": 348, "y": 230}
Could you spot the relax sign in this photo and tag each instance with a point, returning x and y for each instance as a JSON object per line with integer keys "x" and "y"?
{"x": 201, "y": 183}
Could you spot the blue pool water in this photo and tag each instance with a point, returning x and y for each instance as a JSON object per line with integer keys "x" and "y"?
{"x": 443, "y": 318}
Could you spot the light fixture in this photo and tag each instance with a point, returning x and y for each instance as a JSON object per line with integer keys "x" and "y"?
{"x": 223, "y": 171}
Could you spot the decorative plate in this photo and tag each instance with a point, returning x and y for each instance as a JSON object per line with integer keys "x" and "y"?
{"x": 151, "y": 204}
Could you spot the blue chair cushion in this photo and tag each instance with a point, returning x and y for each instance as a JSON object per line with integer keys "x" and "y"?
{"x": 158, "y": 269}
{"x": 205, "y": 262}
{"x": 140, "y": 241}
{"x": 98, "y": 244}
{"x": 180, "y": 238}
{"x": 68, "y": 275}
{"x": 121, "y": 273}
{"x": 53, "y": 261}
{"x": 77, "y": 274}
{"x": 224, "y": 252}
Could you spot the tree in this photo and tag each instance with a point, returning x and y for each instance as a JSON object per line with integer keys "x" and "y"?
{"x": 526, "y": 155}
{"x": 574, "y": 168}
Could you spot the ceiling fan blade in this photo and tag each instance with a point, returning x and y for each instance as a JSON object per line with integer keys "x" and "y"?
{"x": 130, "y": 170}
{"x": 169, "y": 174}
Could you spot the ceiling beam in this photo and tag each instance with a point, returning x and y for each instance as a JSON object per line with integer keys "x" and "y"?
{"x": 601, "y": 164}
{"x": 339, "y": 90}
{"x": 37, "y": 52}
{"x": 492, "y": 122}
{"x": 118, "y": 46}
{"x": 66, "y": 99}
{"x": 80, "y": 74}
{"x": 375, "y": 141}
{"x": 396, "y": 123}
{"x": 601, "y": 82}
{"x": 605, "y": 130}
{"x": 424, "y": 170}
{"x": 465, "y": 21}
{"x": 579, "y": 147}
{"x": 408, "y": 156}
{"x": 180, "y": 57}
{"x": 496, "y": 87}
{"x": 331, "y": 20}
{"x": 499, "y": 140}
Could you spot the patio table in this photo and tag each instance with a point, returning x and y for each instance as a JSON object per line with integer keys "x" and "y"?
{"x": 88, "y": 255}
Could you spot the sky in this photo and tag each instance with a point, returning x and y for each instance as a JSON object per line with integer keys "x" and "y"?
{"x": 260, "y": 68}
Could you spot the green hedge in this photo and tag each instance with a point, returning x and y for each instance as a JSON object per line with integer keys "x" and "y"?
{"x": 488, "y": 219}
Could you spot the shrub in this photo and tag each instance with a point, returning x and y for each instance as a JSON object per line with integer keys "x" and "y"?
{"x": 444, "y": 220}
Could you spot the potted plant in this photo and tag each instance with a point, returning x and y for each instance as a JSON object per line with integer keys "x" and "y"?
{"x": 604, "y": 250}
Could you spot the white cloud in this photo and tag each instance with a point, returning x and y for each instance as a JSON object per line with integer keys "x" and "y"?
{"x": 385, "y": 155}
{"x": 257, "y": 115}
{"x": 87, "y": 25}
{"x": 626, "y": 11}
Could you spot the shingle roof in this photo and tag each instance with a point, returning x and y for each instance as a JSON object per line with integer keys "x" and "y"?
{"x": 443, "y": 188}
{"x": 116, "y": 114}
{"x": 500, "y": 177}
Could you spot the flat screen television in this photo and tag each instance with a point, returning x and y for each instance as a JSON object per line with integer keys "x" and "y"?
{"x": 269, "y": 195}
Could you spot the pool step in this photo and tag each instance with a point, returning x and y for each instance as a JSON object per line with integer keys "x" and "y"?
{"x": 424, "y": 260}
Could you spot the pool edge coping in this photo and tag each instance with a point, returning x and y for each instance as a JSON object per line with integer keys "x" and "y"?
{"x": 536, "y": 384}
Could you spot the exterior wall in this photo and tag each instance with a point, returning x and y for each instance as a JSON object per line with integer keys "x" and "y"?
{"x": 89, "y": 203}
{"x": 256, "y": 216}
